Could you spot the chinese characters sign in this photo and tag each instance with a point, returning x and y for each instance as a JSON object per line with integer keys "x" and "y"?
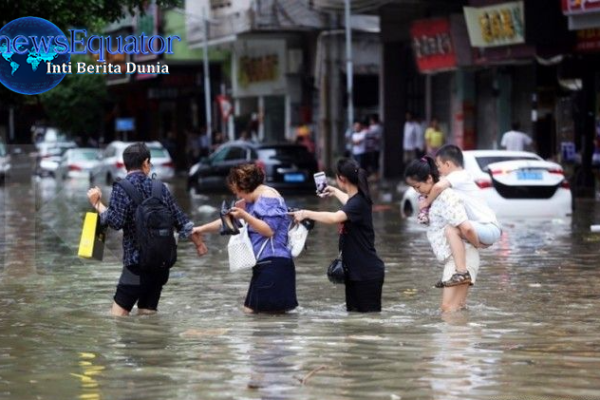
{"x": 498, "y": 25}
{"x": 432, "y": 45}
{"x": 571, "y": 7}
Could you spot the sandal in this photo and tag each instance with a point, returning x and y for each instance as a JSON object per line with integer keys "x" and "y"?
{"x": 459, "y": 278}
{"x": 439, "y": 284}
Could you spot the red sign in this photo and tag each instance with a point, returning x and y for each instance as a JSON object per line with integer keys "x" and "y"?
{"x": 571, "y": 7}
{"x": 432, "y": 44}
{"x": 588, "y": 40}
{"x": 224, "y": 106}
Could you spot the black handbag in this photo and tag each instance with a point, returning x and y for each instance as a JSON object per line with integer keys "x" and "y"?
{"x": 336, "y": 272}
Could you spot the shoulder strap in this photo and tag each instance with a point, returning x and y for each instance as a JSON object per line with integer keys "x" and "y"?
{"x": 157, "y": 189}
{"x": 131, "y": 191}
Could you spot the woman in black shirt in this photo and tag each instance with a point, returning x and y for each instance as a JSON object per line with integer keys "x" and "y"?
{"x": 365, "y": 270}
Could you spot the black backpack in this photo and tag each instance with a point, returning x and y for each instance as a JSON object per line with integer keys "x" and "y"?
{"x": 154, "y": 233}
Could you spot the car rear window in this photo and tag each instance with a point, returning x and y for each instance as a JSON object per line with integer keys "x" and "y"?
{"x": 85, "y": 155}
{"x": 483, "y": 162}
{"x": 295, "y": 152}
{"x": 158, "y": 153}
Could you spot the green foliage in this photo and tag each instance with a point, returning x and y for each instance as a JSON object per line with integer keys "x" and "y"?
{"x": 91, "y": 14}
{"x": 76, "y": 105}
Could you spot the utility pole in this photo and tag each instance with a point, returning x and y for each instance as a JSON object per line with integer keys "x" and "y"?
{"x": 207, "y": 97}
{"x": 349, "y": 65}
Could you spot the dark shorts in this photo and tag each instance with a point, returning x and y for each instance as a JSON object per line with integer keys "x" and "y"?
{"x": 364, "y": 296}
{"x": 141, "y": 288}
{"x": 273, "y": 286}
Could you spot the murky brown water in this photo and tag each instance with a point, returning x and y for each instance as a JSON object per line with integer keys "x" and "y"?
{"x": 531, "y": 331}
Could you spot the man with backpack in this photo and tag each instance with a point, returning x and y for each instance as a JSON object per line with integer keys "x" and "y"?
{"x": 147, "y": 213}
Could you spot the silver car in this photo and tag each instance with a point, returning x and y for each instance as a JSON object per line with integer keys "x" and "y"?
{"x": 77, "y": 163}
{"x": 111, "y": 166}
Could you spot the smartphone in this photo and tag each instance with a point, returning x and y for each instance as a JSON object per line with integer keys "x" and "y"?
{"x": 320, "y": 182}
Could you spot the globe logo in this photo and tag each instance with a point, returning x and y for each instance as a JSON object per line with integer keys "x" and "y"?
{"x": 26, "y": 73}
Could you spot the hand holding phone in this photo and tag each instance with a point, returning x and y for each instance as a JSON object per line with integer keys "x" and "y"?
{"x": 320, "y": 182}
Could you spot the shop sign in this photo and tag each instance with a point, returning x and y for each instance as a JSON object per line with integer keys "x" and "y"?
{"x": 498, "y": 25}
{"x": 588, "y": 40}
{"x": 571, "y": 7}
{"x": 432, "y": 45}
{"x": 259, "y": 67}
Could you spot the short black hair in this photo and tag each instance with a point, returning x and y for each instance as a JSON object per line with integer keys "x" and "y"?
{"x": 515, "y": 125}
{"x": 134, "y": 156}
{"x": 452, "y": 153}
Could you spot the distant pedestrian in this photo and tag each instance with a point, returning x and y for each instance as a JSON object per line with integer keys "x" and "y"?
{"x": 359, "y": 134}
{"x": 137, "y": 283}
{"x": 410, "y": 138}
{"x": 434, "y": 137}
{"x": 365, "y": 270}
{"x": 373, "y": 146}
{"x": 515, "y": 140}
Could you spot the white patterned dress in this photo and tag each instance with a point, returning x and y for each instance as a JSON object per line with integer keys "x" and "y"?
{"x": 448, "y": 209}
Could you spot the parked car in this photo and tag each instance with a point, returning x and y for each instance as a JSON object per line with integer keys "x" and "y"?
{"x": 4, "y": 163}
{"x": 111, "y": 166}
{"x": 49, "y": 156}
{"x": 514, "y": 183}
{"x": 286, "y": 166}
{"x": 77, "y": 163}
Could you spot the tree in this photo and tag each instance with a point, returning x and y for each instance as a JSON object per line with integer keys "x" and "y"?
{"x": 76, "y": 105}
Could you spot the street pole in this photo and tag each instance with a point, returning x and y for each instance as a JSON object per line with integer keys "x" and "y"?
{"x": 349, "y": 66}
{"x": 206, "y": 77}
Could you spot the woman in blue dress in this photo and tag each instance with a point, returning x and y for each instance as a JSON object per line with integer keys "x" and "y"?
{"x": 273, "y": 284}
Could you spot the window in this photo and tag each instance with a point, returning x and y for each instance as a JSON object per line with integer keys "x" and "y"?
{"x": 483, "y": 162}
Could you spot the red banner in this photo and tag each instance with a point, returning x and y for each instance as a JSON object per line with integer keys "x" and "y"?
{"x": 432, "y": 45}
{"x": 588, "y": 40}
{"x": 571, "y": 7}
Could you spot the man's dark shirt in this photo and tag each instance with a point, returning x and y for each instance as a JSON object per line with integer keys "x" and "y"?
{"x": 121, "y": 210}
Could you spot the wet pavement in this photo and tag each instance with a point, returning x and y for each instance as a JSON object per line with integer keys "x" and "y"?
{"x": 531, "y": 330}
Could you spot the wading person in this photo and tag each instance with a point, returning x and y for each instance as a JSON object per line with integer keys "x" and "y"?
{"x": 273, "y": 284}
{"x": 446, "y": 210}
{"x": 139, "y": 282}
{"x": 482, "y": 229}
{"x": 365, "y": 270}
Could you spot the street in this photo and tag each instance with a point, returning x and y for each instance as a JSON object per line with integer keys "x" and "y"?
{"x": 530, "y": 330}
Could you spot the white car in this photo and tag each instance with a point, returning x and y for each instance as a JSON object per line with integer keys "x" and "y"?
{"x": 49, "y": 156}
{"x": 111, "y": 166}
{"x": 77, "y": 163}
{"x": 514, "y": 184}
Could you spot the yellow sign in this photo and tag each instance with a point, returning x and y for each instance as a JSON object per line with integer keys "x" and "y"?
{"x": 499, "y": 25}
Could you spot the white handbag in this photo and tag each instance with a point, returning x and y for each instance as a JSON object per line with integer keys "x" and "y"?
{"x": 297, "y": 234}
{"x": 241, "y": 253}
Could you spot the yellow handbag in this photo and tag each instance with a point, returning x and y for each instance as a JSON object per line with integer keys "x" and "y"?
{"x": 91, "y": 244}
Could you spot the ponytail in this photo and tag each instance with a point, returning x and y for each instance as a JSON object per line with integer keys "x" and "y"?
{"x": 350, "y": 170}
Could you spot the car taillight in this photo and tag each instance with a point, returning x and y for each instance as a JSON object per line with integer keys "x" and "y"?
{"x": 169, "y": 164}
{"x": 483, "y": 183}
{"x": 565, "y": 184}
{"x": 261, "y": 165}
{"x": 555, "y": 171}
{"x": 119, "y": 165}
{"x": 73, "y": 167}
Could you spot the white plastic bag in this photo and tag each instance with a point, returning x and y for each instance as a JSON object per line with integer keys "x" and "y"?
{"x": 297, "y": 235}
{"x": 241, "y": 254}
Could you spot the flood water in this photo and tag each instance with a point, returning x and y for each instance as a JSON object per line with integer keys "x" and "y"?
{"x": 531, "y": 330}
